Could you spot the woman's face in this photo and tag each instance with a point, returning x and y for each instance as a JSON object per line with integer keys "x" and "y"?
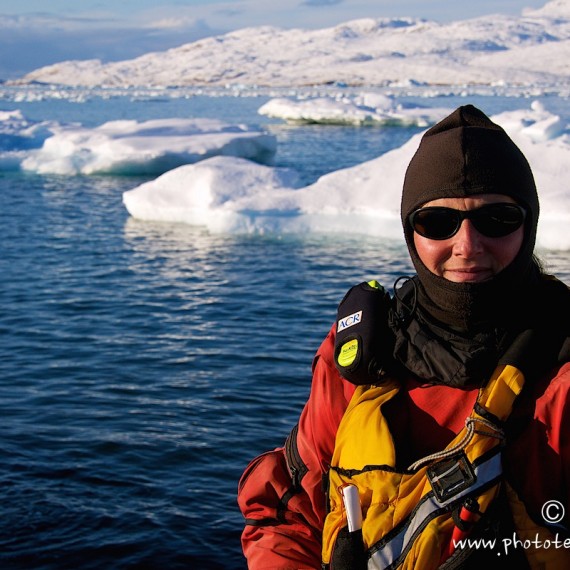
{"x": 468, "y": 256}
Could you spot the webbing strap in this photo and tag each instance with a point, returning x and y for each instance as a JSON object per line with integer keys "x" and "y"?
{"x": 499, "y": 394}
{"x": 388, "y": 552}
{"x": 495, "y": 402}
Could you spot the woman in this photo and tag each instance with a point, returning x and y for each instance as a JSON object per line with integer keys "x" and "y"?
{"x": 447, "y": 412}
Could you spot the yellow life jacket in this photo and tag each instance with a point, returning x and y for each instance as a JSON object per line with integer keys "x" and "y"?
{"x": 409, "y": 516}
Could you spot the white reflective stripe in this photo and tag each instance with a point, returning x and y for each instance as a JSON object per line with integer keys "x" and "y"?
{"x": 428, "y": 509}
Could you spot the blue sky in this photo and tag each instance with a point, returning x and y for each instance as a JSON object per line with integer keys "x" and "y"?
{"x": 34, "y": 33}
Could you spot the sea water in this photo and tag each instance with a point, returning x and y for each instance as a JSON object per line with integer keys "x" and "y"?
{"x": 144, "y": 364}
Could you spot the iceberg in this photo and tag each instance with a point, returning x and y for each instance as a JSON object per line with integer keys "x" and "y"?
{"x": 364, "y": 109}
{"x": 140, "y": 148}
{"x": 227, "y": 194}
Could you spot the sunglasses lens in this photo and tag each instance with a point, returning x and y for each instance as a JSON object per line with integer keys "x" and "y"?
{"x": 435, "y": 223}
{"x": 498, "y": 220}
{"x": 492, "y": 220}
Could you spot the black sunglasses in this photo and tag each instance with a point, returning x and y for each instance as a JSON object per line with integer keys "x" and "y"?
{"x": 492, "y": 220}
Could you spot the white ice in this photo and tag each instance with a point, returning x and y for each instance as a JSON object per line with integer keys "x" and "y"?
{"x": 131, "y": 147}
{"x": 491, "y": 55}
{"x": 361, "y": 109}
{"x": 232, "y": 194}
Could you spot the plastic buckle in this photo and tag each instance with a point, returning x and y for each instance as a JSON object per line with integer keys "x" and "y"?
{"x": 451, "y": 476}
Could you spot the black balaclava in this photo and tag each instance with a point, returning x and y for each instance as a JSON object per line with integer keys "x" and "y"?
{"x": 466, "y": 154}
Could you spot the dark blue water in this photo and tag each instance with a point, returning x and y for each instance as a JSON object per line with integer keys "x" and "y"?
{"x": 142, "y": 365}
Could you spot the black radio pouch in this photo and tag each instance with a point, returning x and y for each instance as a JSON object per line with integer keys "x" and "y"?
{"x": 364, "y": 342}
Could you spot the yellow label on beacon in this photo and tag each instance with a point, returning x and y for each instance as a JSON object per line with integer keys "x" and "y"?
{"x": 348, "y": 352}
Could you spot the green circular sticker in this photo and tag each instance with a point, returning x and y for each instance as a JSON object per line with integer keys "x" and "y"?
{"x": 348, "y": 352}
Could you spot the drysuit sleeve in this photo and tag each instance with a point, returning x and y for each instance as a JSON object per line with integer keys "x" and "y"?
{"x": 553, "y": 415}
{"x": 281, "y": 493}
{"x": 543, "y": 448}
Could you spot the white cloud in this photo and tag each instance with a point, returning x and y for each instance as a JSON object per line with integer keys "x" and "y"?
{"x": 320, "y": 2}
{"x": 43, "y": 39}
{"x": 44, "y": 21}
{"x": 173, "y": 23}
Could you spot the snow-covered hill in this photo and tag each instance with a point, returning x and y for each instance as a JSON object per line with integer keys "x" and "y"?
{"x": 532, "y": 49}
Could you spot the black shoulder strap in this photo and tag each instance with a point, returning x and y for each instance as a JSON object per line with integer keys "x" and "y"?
{"x": 564, "y": 354}
{"x": 546, "y": 342}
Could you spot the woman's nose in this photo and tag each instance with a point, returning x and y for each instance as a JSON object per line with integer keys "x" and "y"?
{"x": 467, "y": 241}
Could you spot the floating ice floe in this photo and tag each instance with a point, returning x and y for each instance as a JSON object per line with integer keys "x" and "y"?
{"x": 363, "y": 110}
{"x": 230, "y": 194}
{"x": 18, "y": 133}
{"x": 149, "y": 147}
